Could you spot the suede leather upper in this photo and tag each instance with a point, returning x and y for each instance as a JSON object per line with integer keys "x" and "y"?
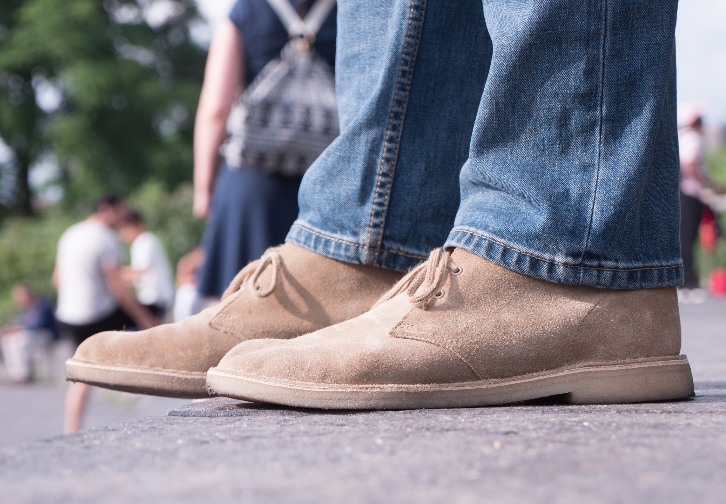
{"x": 504, "y": 324}
{"x": 486, "y": 322}
{"x": 311, "y": 292}
{"x": 189, "y": 346}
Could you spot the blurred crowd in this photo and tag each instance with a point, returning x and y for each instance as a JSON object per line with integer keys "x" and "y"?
{"x": 701, "y": 201}
{"x": 97, "y": 291}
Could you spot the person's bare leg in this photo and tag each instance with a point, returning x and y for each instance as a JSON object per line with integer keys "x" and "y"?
{"x": 76, "y": 398}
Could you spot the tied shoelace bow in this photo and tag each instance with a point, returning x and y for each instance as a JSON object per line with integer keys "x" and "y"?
{"x": 252, "y": 273}
{"x": 430, "y": 275}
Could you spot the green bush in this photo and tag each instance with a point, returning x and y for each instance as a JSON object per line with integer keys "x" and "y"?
{"x": 706, "y": 262}
{"x": 716, "y": 163}
{"x": 27, "y": 254}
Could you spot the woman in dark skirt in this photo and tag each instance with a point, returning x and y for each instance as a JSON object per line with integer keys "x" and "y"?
{"x": 248, "y": 210}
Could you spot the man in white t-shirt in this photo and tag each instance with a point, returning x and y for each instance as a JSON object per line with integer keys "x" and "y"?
{"x": 92, "y": 296}
{"x": 150, "y": 270}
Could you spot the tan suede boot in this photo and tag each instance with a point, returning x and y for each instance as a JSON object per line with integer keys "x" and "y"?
{"x": 460, "y": 331}
{"x": 289, "y": 292}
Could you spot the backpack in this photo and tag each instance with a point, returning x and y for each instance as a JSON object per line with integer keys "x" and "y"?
{"x": 288, "y": 115}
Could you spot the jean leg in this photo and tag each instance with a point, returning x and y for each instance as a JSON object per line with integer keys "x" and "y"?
{"x": 409, "y": 78}
{"x": 573, "y": 173}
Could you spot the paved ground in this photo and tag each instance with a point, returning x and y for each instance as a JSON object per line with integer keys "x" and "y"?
{"x": 35, "y": 411}
{"x": 227, "y": 451}
{"x": 32, "y": 412}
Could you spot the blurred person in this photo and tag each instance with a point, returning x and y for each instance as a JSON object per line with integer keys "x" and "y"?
{"x": 694, "y": 180}
{"x": 150, "y": 271}
{"x": 38, "y": 327}
{"x": 92, "y": 295}
{"x": 249, "y": 209}
{"x": 186, "y": 299}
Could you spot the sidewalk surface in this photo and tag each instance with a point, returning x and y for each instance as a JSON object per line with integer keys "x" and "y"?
{"x": 227, "y": 451}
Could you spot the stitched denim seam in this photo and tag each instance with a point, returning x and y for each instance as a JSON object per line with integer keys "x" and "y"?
{"x": 404, "y": 108}
{"x": 601, "y": 100}
{"x": 561, "y": 263}
{"x": 396, "y": 252}
{"x": 394, "y": 143}
{"x": 388, "y": 134}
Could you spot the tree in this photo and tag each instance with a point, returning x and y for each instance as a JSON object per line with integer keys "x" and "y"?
{"x": 18, "y": 117}
{"x": 126, "y": 76}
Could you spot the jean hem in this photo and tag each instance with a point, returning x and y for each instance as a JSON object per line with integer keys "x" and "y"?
{"x": 645, "y": 277}
{"x": 347, "y": 250}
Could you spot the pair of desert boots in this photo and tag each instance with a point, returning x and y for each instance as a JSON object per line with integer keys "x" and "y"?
{"x": 299, "y": 329}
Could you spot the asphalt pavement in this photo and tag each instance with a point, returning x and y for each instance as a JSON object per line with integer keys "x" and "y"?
{"x": 34, "y": 411}
{"x": 230, "y": 451}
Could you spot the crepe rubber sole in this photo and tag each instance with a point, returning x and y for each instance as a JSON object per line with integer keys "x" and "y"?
{"x": 159, "y": 382}
{"x": 663, "y": 379}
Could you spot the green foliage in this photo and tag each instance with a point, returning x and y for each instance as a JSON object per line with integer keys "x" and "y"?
{"x": 27, "y": 254}
{"x": 129, "y": 93}
{"x": 716, "y": 165}
{"x": 18, "y": 118}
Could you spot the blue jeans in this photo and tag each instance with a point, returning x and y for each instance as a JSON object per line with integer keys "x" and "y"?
{"x": 537, "y": 134}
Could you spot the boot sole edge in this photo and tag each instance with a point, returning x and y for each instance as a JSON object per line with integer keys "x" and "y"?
{"x": 661, "y": 379}
{"x": 157, "y": 382}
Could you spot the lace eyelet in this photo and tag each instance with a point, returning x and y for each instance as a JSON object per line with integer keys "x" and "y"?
{"x": 439, "y": 294}
{"x": 457, "y": 271}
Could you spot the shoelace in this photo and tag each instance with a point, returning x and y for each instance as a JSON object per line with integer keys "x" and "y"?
{"x": 252, "y": 273}
{"x": 430, "y": 273}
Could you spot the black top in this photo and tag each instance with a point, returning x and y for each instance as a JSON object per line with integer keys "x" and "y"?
{"x": 264, "y": 35}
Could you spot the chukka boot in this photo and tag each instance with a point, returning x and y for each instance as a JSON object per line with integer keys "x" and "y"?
{"x": 288, "y": 292}
{"x": 460, "y": 331}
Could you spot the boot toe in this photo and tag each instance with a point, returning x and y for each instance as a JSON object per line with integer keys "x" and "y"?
{"x": 339, "y": 355}
{"x": 169, "y": 360}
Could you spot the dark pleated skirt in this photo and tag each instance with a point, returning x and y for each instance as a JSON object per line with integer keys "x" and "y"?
{"x": 250, "y": 212}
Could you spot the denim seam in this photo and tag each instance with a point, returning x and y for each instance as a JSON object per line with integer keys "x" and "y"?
{"x": 366, "y": 247}
{"x": 601, "y": 100}
{"x": 561, "y": 263}
{"x": 394, "y": 144}
{"x": 404, "y": 108}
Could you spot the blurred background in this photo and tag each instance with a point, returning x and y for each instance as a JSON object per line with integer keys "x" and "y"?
{"x": 96, "y": 97}
{"x": 100, "y": 97}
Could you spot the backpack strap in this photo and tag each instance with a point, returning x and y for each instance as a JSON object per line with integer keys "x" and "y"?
{"x": 317, "y": 16}
{"x": 295, "y": 25}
